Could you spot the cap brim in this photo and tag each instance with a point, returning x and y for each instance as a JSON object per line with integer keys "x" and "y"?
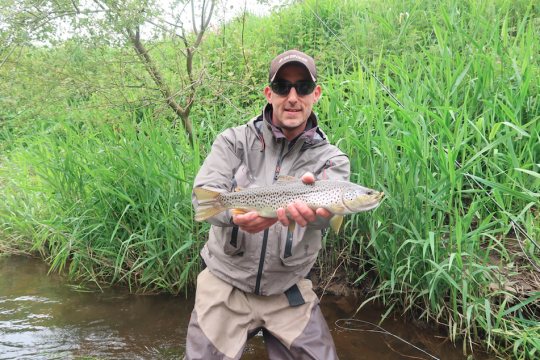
{"x": 293, "y": 62}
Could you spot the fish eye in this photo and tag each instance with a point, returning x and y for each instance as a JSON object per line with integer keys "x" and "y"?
{"x": 369, "y": 192}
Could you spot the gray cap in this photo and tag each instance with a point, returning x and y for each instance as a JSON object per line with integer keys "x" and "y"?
{"x": 292, "y": 57}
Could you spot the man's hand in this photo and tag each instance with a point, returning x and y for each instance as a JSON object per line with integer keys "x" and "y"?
{"x": 299, "y": 211}
{"x": 252, "y": 223}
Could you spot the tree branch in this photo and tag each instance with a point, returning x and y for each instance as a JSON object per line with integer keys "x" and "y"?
{"x": 204, "y": 25}
{"x": 193, "y": 16}
{"x": 8, "y": 55}
{"x": 154, "y": 72}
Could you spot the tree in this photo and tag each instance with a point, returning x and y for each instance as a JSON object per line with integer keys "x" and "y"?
{"x": 117, "y": 24}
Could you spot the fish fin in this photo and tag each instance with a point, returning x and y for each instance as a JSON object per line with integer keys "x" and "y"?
{"x": 203, "y": 194}
{"x": 238, "y": 212}
{"x": 292, "y": 226}
{"x": 337, "y": 208}
{"x": 335, "y": 222}
{"x": 238, "y": 188}
{"x": 285, "y": 178}
{"x": 208, "y": 204}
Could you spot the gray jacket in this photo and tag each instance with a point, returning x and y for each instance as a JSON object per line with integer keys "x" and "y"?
{"x": 251, "y": 155}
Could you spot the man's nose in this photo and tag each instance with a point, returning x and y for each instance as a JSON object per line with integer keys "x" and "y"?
{"x": 293, "y": 96}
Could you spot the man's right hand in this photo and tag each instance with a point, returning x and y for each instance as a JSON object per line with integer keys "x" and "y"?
{"x": 252, "y": 223}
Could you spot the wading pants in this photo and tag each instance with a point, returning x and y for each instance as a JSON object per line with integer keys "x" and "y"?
{"x": 225, "y": 317}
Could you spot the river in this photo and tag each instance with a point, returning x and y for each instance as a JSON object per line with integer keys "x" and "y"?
{"x": 45, "y": 316}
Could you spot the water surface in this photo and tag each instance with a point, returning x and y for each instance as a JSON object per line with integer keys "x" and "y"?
{"x": 47, "y": 317}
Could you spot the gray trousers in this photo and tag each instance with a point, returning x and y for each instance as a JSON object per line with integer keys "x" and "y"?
{"x": 225, "y": 318}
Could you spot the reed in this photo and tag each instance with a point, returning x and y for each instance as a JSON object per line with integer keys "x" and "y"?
{"x": 439, "y": 246}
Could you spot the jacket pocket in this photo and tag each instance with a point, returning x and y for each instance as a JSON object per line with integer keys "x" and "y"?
{"x": 299, "y": 248}
{"x": 233, "y": 240}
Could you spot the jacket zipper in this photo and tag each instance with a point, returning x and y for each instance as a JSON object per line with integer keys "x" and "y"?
{"x": 265, "y": 236}
{"x": 279, "y": 161}
{"x": 261, "y": 262}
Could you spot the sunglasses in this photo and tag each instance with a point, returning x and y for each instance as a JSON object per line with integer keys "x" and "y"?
{"x": 301, "y": 87}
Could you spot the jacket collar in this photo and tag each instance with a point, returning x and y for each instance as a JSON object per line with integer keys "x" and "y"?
{"x": 265, "y": 131}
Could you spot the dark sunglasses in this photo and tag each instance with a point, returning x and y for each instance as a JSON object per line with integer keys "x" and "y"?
{"x": 301, "y": 87}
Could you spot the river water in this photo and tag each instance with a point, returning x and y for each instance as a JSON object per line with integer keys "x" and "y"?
{"x": 45, "y": 316}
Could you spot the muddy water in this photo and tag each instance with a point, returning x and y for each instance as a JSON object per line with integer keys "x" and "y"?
{"x": 47, "y": 317}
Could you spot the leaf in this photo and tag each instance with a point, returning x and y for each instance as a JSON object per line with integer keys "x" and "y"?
{"x": 182, "y": 248}
{"x": 494, "y": 131}
{"x": 517, "y": 344}
{"x": 517, "y": 128}
{"x": 460, "y": 78}
{"x": 522, "y": 304}
{"x": 532, "y": 173}
{"x": 382, "y": 21}
{"x": 488, "y": 318}
{"x": 504, "y": 189}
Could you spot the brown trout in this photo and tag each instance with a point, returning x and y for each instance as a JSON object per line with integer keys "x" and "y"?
{"x": 339, "y": 197}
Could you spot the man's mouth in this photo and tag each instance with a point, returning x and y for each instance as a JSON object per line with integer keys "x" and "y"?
{"x": 292, "y": 110}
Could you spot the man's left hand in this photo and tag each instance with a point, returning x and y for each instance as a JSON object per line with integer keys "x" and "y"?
{"x": 299, "y": 211}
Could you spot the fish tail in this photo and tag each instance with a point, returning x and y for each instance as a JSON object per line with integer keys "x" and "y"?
{"x": 209, "y": 205}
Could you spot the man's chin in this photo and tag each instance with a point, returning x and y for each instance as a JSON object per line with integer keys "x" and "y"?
{"x": 290, "y": 125}
{"x": 292, "y": 121}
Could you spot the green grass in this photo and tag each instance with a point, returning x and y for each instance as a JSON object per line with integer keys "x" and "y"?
{"x": 111, "y": 203}
{"x": 105, "y": 191}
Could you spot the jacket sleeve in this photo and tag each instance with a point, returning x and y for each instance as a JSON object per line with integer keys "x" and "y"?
{"x": 217, "y": 172}
{"x": 336, "y": 167}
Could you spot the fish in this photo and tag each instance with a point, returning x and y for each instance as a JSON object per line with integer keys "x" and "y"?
{"x": 337, "y": 196}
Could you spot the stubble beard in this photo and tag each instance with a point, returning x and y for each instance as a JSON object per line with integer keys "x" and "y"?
{"x": 291, "y": 124}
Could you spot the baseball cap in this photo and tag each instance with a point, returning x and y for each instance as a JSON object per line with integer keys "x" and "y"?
{"x": 292, "y": 57}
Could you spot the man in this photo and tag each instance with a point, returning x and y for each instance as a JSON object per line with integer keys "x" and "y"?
{"x": 256, "y": 271}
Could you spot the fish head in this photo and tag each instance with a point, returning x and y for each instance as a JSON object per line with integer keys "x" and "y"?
{"x": 358, "y": 198}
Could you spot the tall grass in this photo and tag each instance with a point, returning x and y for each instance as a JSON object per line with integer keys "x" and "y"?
{"x": 114, "y": 203}
{"x": 440, "y": 245}
{"x": 110, "y": 200}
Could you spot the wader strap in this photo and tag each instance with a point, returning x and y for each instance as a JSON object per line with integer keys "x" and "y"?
{"x": 294, "y": 296}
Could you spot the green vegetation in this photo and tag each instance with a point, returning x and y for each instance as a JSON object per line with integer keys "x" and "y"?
{"x": 97, "y": 177}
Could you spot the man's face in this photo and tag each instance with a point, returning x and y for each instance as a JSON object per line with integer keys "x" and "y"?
{"x": 291, "y": 111}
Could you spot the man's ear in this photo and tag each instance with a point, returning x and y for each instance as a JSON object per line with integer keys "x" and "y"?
{"x": 317, "y": 93}
{"x": 268, "y": 94}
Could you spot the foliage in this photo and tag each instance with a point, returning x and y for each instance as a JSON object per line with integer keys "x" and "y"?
{"x": 99, "y": 176}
